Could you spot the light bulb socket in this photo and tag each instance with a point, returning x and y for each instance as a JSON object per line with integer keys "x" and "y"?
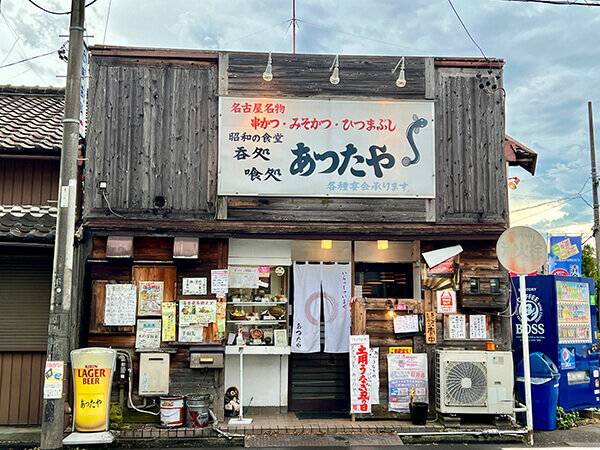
{"x": 268, "y": 73}
{"x": 335, "y": 76}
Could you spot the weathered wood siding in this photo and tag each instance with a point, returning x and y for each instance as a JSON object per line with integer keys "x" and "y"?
{"x": 470, "y": 161}
{"x": 308, "y": 76}
{"x": 152, "y": 132}
{"x": 28, "y": 181}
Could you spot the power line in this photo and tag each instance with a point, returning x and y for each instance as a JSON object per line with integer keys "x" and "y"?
{"x": 561, "y": 2}
{"x": 56, "y": 13}
{"x": 27, "y": 59}
{"x": 106, "y": 25}
{"x": 466, "y": 30}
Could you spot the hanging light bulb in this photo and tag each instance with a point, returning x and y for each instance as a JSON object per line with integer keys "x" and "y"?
{"x": 335, "y": 75}
{"x": 268, "y": 73}
{"x": 401, "y": 80}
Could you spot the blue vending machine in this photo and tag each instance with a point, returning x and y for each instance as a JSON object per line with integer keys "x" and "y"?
{"x": 561, "y": 312}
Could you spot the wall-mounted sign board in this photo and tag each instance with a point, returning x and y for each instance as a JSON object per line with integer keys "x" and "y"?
{"x": 326, "y": 147}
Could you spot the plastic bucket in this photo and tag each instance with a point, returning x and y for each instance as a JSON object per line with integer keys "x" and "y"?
{"x": 171, "y": 411}
{"x": 196, "y": 406}
{"x": 418, "y": 413}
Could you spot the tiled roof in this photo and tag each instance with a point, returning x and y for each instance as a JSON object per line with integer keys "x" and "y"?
{"x": 31, "y": 118}
{"x": 28, "y": 223}
{"x": 519, "y": 155}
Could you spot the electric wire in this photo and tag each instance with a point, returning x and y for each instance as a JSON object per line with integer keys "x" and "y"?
{"x": 559, "y": 2}
{"x": 106, "y": 25}
{"x": 262, "y": 30}
{"x": 28, "y": 59}
{"x": 567, "y": 200}
{"x": 56, "y": 13}
{"x": 467, "y": 30}
{"x": 109, "y": 207}
{"x": 10, "y": 51}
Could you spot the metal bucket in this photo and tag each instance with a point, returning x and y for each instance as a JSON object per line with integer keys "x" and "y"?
{"x": 196, "y": 406}
{"x": 171, "y": 411}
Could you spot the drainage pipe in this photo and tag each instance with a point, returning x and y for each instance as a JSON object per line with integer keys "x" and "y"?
{"x": 219, "y": 431}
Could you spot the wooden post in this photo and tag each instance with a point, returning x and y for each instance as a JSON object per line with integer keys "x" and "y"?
{"x": 359, "y": 317}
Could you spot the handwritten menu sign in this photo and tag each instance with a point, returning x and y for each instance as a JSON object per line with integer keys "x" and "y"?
{"x": 243, "y": 277}
{"x": 219, "y": 281}
{"x": 151, "y": 297}
{"x": 191, "y": 333}
{"x": 194, "y": 286}
{"x": 193, "y": 312}
{"x": 405, "y": 372}
{"x": 406, "y": 324}
{"x": 374, "y": 375}
{"x": 360, "y": 392}
{"x": 169, "y": 311}
{"x": 120, "y": 304}
{"x": 147, "y": 334}
{"x": 477, "y": 326}
{"x": 457, "y": 326}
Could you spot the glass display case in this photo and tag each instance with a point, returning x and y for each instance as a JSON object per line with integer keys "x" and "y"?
{"x": 260, "y": 316}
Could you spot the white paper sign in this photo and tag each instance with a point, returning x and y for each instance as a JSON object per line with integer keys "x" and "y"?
{"x": 53, "y": 379}
{"x": 191, "y": 333}
{"x": 477, "y": 326}
{"x": 446, "y": 302}
{"x": 406, "y": 324}
{"x": 457, "y": 324}
{"x": 120, "y": 305}
{"x": 194, "y": 286}
{"x": 147, "y": 335}
{"x": 374, "y": 375}
{"x": 326, "y": 147}
{"x": 360, "y": 385}
{"x": 243, "y": 277}
{"x": 219, "y": 281}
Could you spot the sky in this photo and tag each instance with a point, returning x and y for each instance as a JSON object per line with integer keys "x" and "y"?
{"x": 552, "y": 70}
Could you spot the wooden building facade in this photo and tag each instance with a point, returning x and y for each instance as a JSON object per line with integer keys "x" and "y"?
{"x": 155, "y": 174}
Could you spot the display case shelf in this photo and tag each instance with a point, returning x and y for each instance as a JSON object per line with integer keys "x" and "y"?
{"x": 257, "y": 322}
{"x": 255, "y": 303}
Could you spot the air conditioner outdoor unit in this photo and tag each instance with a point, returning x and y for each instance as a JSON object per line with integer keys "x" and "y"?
{"x": 474, "y": 382}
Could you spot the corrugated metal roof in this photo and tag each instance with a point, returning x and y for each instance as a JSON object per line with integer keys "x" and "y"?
{"x": 31, "y": 119}
{"x": 28, "y": 223}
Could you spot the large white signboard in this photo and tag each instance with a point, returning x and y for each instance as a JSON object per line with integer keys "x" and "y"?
{"x": 337, "y": 148}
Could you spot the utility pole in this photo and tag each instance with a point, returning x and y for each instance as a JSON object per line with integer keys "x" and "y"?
{"x": 594, "y": 185}
{"x": 62, "y": 275}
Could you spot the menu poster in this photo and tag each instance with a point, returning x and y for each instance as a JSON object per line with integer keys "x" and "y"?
{"x": 191, "y": 333}
{"x": 53, "y": 379}
{"x": 374, "y": 375}
{"x": 457, "y": 328}
{"x": 478, "y": 326}
{"x": 147, "y": 335}
{"x": 219, "y": 281}
{"x": 573, "y": 312}
{"x": 194, "y": 286}
{"x": 360, "y": 391}
{"x": 406, "y": 324}
{"x": 151, "y": 297}
{"x": 120, "y": 304}
{"x": 243, "y": 277}
{"x": 169, "y": 311}
{"x": 406, "y": 371}
{"x": 221, "y": 316}
{"x": 193, "y": 312}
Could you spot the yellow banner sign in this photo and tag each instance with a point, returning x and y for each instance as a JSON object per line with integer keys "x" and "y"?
{"x": 92, "y": 376}
{"x": 400, "y": 350}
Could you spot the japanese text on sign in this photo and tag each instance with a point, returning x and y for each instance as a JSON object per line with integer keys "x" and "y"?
{"x": 297, "y": 147}
{"x": 360, "y": 386}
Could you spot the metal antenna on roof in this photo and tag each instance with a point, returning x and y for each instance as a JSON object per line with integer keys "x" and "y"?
{"x": 294, "y": 24}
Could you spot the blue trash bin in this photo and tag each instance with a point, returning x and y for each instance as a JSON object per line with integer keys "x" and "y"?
{"x": 544, "y": 390}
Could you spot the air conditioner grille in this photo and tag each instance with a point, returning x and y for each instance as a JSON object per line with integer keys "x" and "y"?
{"x": 466, "y": 383}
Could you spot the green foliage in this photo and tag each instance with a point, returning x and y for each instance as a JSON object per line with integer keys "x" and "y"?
{"x": 588, "y": 265}
{"x": 565, "y": 420}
